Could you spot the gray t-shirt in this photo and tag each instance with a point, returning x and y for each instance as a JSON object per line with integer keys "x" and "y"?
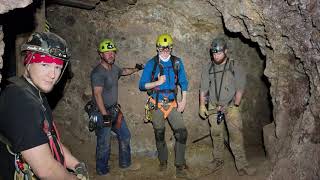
{"x": 234, "y": 79}
{"x": 108, "y": 79}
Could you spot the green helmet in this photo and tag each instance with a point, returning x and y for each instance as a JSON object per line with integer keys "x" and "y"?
{"x": 47, "y": 43}
{"x": 164, "y": 40}
{"x": 218, "y": 45}
{"x": 107, "y": 45}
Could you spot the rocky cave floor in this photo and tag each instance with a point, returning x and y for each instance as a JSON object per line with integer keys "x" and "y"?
{"x": 198, "y": 156}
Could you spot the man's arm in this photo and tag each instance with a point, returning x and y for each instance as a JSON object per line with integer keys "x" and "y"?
{"x": 70, "y": 160}
{"x": 238, "y": 97}
{"x": 44, "y": 165}
{"x": 183, "y": 102}
{"x": 161, "y": 80}
{"x": 203, "y": 98}
{"x": 97, "y": 91}
{"x": 128, "y": 71}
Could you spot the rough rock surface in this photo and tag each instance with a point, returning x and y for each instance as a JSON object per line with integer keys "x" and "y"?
{"x": 7, "y": 5}
{"x": 1, "y": 51}
{"x": 288, "y": 34}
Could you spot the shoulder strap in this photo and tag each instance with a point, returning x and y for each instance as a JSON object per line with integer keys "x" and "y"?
{"x": 231, "y": 66}
{"x": 176, "y": 67}
{"x": 155, "y": 64}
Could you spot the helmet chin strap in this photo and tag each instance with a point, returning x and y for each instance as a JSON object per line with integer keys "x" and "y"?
{"x": 61, "y": 74}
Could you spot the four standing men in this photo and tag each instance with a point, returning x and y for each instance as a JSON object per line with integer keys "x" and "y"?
{"x": 33, "y": 137}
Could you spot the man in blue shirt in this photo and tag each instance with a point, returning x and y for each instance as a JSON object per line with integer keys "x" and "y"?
{"x": 160, "y": 78}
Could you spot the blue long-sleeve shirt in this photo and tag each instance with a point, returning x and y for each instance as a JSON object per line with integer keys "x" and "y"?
{"x": 168, "y": 71}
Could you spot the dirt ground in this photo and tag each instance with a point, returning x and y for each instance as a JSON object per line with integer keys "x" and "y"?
{"x": 198, "y": 156}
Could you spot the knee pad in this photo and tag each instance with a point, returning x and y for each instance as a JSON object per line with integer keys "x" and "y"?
{"x": 159, "y": 134}
{"x": 181, "y": 135}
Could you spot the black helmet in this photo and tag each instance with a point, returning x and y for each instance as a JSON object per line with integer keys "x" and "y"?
{"x": 47, "y": 43}
{"x": 218, "y": 45}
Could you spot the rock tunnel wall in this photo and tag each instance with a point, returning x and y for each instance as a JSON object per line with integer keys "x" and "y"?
{"x": 5, "y": 6}
{"x": 288, "y": 34}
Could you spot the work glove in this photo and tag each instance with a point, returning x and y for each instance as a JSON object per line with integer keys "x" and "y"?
{"x": 203, "y": 112}
{"x": 107, "y": 120}
{"x": 139, "y": 66}
{"x": 81, "y": 171}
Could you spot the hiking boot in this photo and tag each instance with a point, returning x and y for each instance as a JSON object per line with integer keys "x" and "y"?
{"x": 132, "y": 167}
{"x": 250, "y": 171}
{"x": 216, "y": 165}
{"x": 181, "y": 172}
{"x": 163, "y": 166}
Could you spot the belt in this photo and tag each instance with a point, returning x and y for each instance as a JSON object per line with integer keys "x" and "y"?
{"x": 116, "y": 107}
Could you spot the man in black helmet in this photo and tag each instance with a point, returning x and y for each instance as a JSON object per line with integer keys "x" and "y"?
{"x": 222, "y": 87}
{"x": 30, "y": 146}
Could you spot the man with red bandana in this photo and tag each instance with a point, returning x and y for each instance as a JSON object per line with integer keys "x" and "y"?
{"x": 30, "y": 146}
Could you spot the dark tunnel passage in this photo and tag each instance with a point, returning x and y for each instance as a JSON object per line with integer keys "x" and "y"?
{"x": 256, "y": 107}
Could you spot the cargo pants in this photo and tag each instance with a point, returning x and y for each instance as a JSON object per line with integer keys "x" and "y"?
{"x": 233, "y": 123}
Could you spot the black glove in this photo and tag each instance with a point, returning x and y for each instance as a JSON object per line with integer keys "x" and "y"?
{"x": 139, "y": 66}
{"x": 81, "y": 171}
{"x": 107, "y": 120}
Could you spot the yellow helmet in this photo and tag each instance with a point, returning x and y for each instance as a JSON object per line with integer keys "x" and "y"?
{"x": 107, "y": 45}
{"x": 164, "y": 40}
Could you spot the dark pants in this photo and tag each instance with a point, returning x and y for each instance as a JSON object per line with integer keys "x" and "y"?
{"x": 103, "y": 147}
{"x": 176, "y": 122}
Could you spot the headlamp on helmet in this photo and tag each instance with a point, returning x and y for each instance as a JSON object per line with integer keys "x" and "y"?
{"x": 218, "y": 45}
{"x": 47, "y": 43}
{"x": 164, "y": 41}
{"x": 107, "y": 45}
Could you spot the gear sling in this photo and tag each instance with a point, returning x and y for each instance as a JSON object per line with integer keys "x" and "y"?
{"x": 154, "y": 103}
{"x": 23, "y": 170}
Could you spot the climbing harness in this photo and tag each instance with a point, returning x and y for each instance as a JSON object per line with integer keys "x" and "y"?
{"x": 166, "y": 105}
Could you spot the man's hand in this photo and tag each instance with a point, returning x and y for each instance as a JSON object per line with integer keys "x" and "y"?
{"x": 107, "y": 120}
{"x": 81, "y": 171}
{"x": 203, "y": 112}
{"x": 139, "y": 66}
{"x": 161, "y": 79}
{"x": 181, "y": 105}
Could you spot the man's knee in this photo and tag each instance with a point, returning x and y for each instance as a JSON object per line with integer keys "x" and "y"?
{"x": 159, "y": 134}
{"x": 181, "y": 135}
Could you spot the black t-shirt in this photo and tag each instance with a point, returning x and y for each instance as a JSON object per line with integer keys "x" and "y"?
{"x": 21, "y": 123}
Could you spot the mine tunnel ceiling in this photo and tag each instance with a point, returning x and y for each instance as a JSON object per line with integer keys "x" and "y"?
{"x": 83, "y": 4}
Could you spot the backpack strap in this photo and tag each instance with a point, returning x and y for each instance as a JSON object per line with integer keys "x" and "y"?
{"x": 176, "y": 67}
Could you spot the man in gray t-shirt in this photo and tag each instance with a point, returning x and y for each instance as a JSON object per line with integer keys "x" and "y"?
{"x": 108, "y": 79}
{"x": 222, "y": 86}
{"x": 104, "y": 83}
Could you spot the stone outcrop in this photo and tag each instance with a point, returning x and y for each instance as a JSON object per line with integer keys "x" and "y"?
{"x": 288, "y": 34}
{"x": 7, "y": 5}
